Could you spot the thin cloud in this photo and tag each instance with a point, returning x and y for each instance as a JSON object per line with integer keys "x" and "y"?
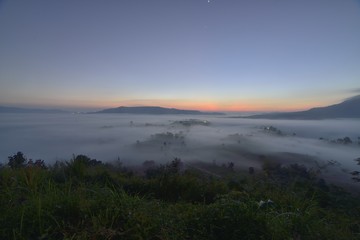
{"x": 355, "y": 90}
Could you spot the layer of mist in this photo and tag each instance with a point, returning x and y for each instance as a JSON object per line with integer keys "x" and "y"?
{"x": 214, "y": 139}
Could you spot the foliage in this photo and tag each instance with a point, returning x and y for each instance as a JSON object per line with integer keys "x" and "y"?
{"x": 17, "y": 160}
{"x": 86, "y": 199}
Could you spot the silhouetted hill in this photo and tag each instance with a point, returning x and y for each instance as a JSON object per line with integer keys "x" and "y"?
{"x": 349, "y": 108}
{"x": 28, "y": 110}
{"x": 154, "y": 110}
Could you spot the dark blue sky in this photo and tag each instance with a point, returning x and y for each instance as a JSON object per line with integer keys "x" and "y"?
{"x": 217, "y": 55}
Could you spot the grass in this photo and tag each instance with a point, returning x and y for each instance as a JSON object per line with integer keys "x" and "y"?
{"x": 85, "y": 199}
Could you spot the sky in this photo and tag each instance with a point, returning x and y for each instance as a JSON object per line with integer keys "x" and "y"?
{"x": 222, "y": 55}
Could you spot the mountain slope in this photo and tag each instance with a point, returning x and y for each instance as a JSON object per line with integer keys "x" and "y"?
{"x": 154, "y": 110}
{"x": 347, "y": 109}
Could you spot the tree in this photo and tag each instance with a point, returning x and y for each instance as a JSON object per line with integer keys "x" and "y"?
{"x": 175, "y": 166}
{"x": 231, "y": 166}
{"x": 40, "y": 164}
{"x": 347, "y": 140}
{"x": 17, "y": 161}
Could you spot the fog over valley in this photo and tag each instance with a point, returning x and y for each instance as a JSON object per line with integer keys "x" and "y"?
{"x": 161, "y": 119}
{"x": 320, "y": 144}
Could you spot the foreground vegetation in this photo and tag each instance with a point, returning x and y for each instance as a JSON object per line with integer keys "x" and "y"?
{"x": 86, "y": 199}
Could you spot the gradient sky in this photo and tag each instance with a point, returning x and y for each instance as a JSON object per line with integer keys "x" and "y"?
{"x": 228, "y": 55}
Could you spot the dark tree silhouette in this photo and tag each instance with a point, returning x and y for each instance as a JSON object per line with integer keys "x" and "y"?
{"x": 347, "y": 140}
{"x": 17, "y": 161}
{"x": 175, "y": 166}
{"x": 231, "y": 166}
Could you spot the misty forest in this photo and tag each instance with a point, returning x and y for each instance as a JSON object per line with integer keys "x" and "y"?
{"x": 134, "y": 176}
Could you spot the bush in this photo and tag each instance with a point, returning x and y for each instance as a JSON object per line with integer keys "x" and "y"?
{"x": 17, "y": 161}
{"x": 77, "y": 200}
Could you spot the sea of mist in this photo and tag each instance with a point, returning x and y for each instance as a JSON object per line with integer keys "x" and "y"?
{"x": 214, "y": 139}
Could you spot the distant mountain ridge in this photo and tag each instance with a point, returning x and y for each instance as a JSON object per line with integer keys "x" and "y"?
{"x": 28, "y": 110}
{"x": 154, "y": 110}
{"x": 349, "y": 108}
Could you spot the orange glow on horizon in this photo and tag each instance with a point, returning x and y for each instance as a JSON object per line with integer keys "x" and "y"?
{"x": 242, "y": 105}
{"x": 264, "y": 105}
{"x": 208, "y": 105}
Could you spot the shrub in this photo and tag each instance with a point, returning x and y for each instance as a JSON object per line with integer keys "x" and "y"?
{"x": 17, "y": 161}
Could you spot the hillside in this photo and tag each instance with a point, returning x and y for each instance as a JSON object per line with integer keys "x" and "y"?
{"x": 349, "y": 108}
{"x": 84, "y": 198}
